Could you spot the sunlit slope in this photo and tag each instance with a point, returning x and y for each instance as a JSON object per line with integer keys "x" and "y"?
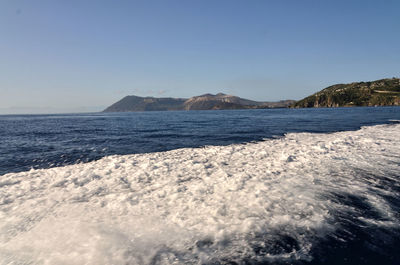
{"x": 384, "y": 92}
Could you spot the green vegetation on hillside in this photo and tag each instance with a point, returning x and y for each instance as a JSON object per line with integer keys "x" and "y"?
{"x": 384, "y": 92}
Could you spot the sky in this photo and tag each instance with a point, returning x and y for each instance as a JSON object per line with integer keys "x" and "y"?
{"x": 83, "y": 55}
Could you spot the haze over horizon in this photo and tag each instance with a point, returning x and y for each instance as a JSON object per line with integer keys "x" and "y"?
{"x": 72, "y": 56}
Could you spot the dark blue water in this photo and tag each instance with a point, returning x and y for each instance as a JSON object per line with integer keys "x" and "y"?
{"x": 43, "y": 141}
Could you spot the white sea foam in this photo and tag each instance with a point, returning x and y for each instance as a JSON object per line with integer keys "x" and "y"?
{"x": 258, "y": 201}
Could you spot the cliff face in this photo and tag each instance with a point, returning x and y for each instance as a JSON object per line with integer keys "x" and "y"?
{"x": 203, "y": 102}
{"x": 384, "y": 92}
{"x": 219, "y": 101}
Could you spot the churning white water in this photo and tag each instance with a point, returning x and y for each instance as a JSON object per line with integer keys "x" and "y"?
{"x": 264, "y": 201}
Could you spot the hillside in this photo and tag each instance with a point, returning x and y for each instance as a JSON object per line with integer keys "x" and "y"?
{"x": 384, "y": 92}
{"x": 203, "y": 102}
{"x": 134, "y": 103}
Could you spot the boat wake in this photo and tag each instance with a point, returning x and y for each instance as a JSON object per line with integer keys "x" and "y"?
{"x": 302, "y": 198}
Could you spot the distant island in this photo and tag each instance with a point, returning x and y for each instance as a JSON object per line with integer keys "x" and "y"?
{"x": 384, "y": 92}
{"x": 204, "y": 102}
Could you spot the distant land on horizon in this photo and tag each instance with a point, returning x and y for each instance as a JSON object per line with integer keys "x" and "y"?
{"x": 46, "y": 110}
{"x": 383, "y": 92}
{"x": 204, "y": 102}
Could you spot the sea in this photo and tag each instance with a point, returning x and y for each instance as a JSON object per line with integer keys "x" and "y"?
{"x": 268, "y": 186}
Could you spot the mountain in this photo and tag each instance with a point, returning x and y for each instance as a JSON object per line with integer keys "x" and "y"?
{"x": 203, "y": 102}
{"x": 384, "y": 92}
{"x": 134, "y": 103}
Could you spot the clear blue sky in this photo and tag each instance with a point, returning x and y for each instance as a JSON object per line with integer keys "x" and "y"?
{"x": 70, "y": 54}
